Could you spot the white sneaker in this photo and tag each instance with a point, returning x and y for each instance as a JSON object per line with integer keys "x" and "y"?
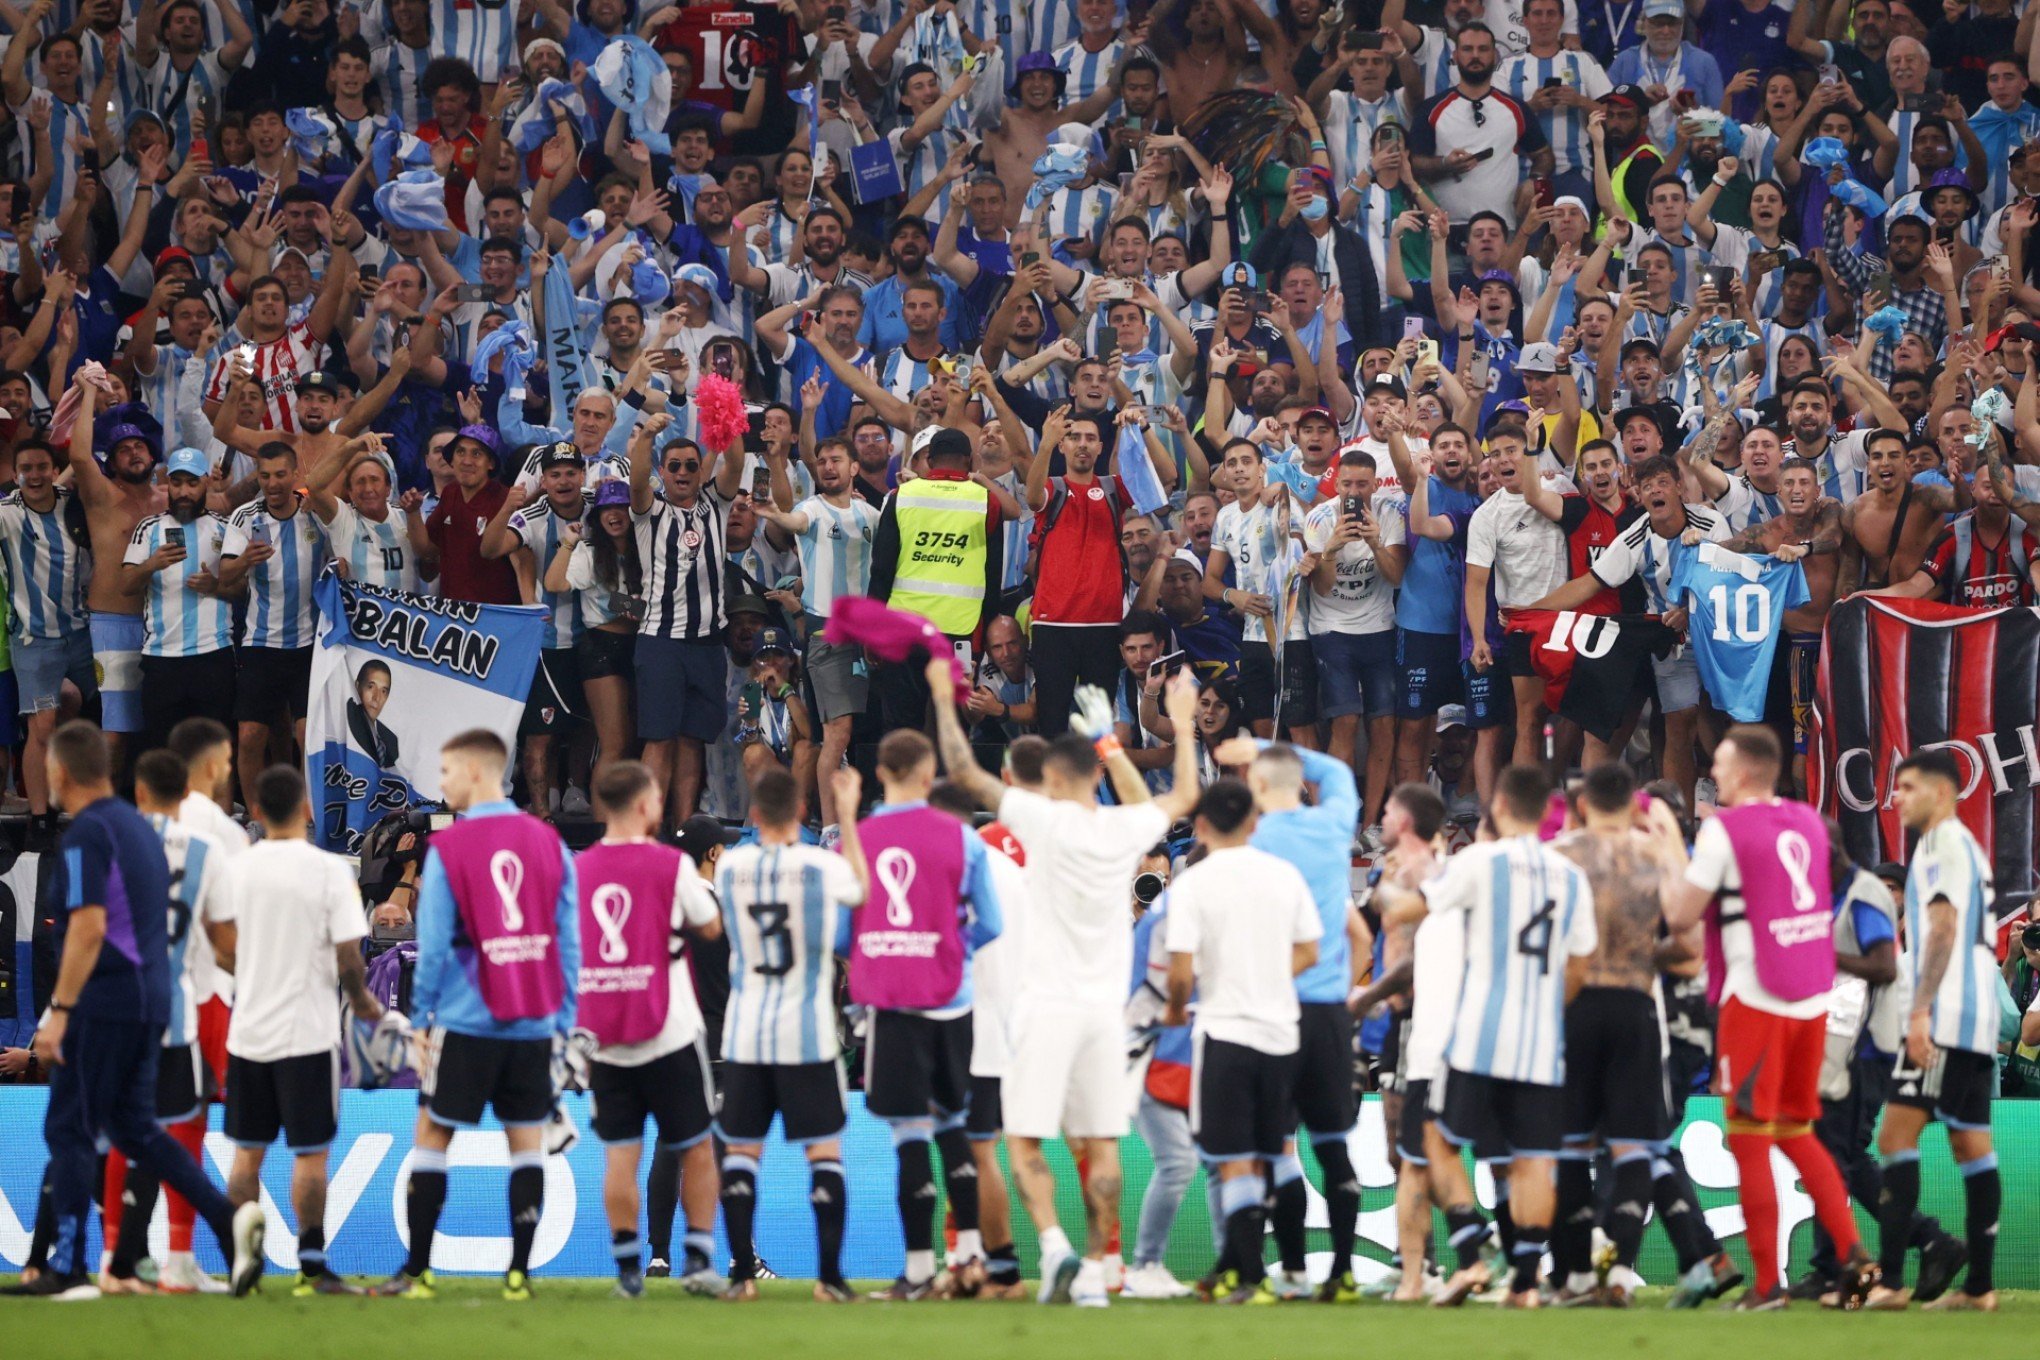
{"x": 1154, "y": 1281}
{"x": 1089, "y": 1289}
{"x": 574, "y": 803}
{"x": 1290, "y": 1286}
{"x": 249, "y": 1228}
{"x": 1115, "y": 1272}
{"x": 181, "y": 1275}
{"x": 1058, "y": 1272}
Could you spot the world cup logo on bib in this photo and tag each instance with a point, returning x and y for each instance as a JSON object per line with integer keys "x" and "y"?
{"x": 506, "y": 871}
{"x": 611, "y": 906}
{"x": 1797, "y": 858}
{"x": 895, "y": 870}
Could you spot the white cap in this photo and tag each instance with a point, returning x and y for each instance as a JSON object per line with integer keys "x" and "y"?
{"x": 1078, "y": 135}
{"x": 1450, "y": 716}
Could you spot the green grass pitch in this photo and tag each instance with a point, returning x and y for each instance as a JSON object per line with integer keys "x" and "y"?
{"x": 577, "y": 1318}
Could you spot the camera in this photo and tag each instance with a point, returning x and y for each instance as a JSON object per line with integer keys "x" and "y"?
{"x": 396, "y": 842}
{"x": 1147, "y": 887}
{"x": 2029, "y": 937}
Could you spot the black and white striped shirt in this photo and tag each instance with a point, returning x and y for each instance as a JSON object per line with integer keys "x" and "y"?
{"x": 682, "y": 550}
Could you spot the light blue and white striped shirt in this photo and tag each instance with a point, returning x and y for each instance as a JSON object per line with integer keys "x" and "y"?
{"x": 197, "y": 895}
{"x": 835, "y": 552}
{"x": 46, "y": 569}
{"x": 401, "y": 71}
{"x": 177, "y": 620}
{"x": 175, "y": 95}
{"x": 1529, "y": 909}
{"x": 280, "y": 589}
{"x": 1350, "y": 122}
{"x": 1948, "y": 863}
{"x": 482, "y": 35}
{"x": 1565, "y": 127}
{"x": 786, "y": 912}
{"x": 1089, "y": 72}
{"x": 377, "y": 552}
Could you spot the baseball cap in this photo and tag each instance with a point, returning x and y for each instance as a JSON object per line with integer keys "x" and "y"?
{"x": 1501, "y": 276}
{"x": 171, "y": 255}
{"x": 1239, "y": 274}
{"x": 1323, "y": 413}
{"x": 1184, "y": 557}
{"x": 1664, "y": 9}
{"x": 1541, "y": 357}
{"x": 774, "y": 640}
{"x": 1631, "y": 95}
{"x": 321, "y": 380}
{"x": 1388, "y": 382}
{"x": 701, "y": 276}
{"x": 559, "y": 454}
{"x": 943, "y": 443}
{"x": 700, "y": 834}
{"x": 615, "y": 491}
{"x": 747, "y": 603}
{"x": 1451, "y": 716}
{"x": 188, "y": 461}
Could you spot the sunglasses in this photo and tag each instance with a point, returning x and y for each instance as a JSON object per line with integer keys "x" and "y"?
{"x": 683, "y": 465}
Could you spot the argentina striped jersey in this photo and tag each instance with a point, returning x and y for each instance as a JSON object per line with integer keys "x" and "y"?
{"x": 46, "y": 568}
{"x": 177, "y": 620}
{"x": 280, "y": 589}
{"x": 786, "y": 913}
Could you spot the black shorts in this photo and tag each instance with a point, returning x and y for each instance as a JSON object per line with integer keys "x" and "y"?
{"x": 915, "y": 1067}
{"x": 1242, "y": 1100}
{"x": 274, "y": 683}
{"x": 467, "y": 1073}
{"x": 987, "y": 1110}
{"x": 1409, "y": 1130}
{"x": 1615, "y": 1086}
{"x": 807, "y": 1097}
{"x": 1956, "y": 1088}
{"x": 178, "y": 687}
{"x": 1325, "y": 1100}
{"x": 555, "y": 694}
{"x": 1502, "y": 1119}
{"x": 184, "y": 1084}
{"x": 298, "y": 1097}
{"x": 1428, "y": 666}
{"x": 602, "y": 654}
{"x": 1687, "y": 1069}
{"x": 673, "y": 1089}
{"x": 1515, "y": 656}
{"x": 1299, "y": 683}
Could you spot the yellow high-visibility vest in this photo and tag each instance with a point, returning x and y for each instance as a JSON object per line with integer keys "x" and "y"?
{"x": 944, "y": 537}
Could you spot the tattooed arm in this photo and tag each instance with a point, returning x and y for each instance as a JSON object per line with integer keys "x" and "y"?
{"x": 2005, "y": 484}
{"x": 1698, "y": 455}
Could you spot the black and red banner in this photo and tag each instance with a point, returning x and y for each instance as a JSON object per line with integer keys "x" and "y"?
{"x": 1899, "y": 676}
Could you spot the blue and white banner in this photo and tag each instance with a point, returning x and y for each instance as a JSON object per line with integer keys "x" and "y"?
{"x": 393, "y": 676}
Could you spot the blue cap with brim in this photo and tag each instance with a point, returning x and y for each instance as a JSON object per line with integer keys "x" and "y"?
{"x": 190, "y": 462}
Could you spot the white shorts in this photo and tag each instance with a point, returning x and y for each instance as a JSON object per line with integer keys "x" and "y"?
{"x": 1067, "y": 1075}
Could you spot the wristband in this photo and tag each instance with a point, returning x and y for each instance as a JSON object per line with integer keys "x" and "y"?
{"x": 634, "y": 399}
{"x": 1106, "y": 746}
{"x": 1722, "y": 183}
{"x": 1317, "y": 145}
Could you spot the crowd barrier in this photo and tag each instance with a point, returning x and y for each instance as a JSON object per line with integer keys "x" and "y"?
{"x": 366, "y": 1232}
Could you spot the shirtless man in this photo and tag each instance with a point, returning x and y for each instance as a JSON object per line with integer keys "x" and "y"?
{"x": 323, "y": 431}
{"x": 1209, "y": 63}
{"x": 116, "y": 498}
{"x": 1886, "y": 530}
{"x": 1614, "y": 1068}
{"x": 1025, "y": 131}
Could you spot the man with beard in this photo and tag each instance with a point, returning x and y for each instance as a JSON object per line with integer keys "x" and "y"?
{"x": 45, "y": 568}
{"x": 623, "y": 332}
{"x": 1839, "y": 460}
{"x": 1905, "y": 255}
{"x": 1199, "y": 628}
{"x": 834, "y": 312}
{"x": 321, "y": 429}
{"x": 1626, "y": 160}
{"x": 822, "y": 239}
{"x": 885, "y": 326}
{"x": 1466, "y": 141}
{"x": 1428, "y": 609}
{"x": 116, "y": 497}
{"x": 1521, "y": 552}
{"x": 1886, "y": 530}
{"x": 871, "y": 450}
{"x": 1254, "y": 536}
{"x": 171, "y": 566}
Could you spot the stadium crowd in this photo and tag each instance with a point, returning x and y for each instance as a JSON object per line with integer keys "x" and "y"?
{"x": 1454, "y": 395}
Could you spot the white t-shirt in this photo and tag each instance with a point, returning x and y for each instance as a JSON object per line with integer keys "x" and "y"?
{"x": 1078, "y": 947}
{"x": 290, "y": 903}
{"x": 1253, "y": 541}
{"x": 1714, "y": 868}
{"x": 1437, "y": 967}
{"x": 693, "y": 905}
{"x": 1361, "y": 599}
{"x": 1525, "y": 550}
{"x": 1238, "y": 913}
{"x": 995, "y": 971}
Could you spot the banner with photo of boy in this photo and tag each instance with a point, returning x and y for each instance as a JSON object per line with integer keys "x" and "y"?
{"x": 394, "y": 676}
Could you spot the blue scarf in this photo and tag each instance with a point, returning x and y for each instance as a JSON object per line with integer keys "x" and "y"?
{"x": 1137, "y": 473}
{"x": 566, "y": 348}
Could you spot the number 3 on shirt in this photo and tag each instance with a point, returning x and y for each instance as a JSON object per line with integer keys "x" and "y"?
{"x": 1752, "y": 611}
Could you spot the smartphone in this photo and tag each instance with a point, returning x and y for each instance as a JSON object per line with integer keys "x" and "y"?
{"x": 832, "y": 92}
{"x": 371, "y": 272}
{"x": 1485, "y": 153}
{"x": 1413, "y": 328}
{"x": 1029, "y": 258}
{"x": 834, "y": 14}
{"x": 761, "y": 484}
{"x": 1351, "y": 507}
{"x": 200, "y": 146}
{"x": 258, "y": 532}
{"x": 1546, "y": 191}
{"x": 1168, "y": 665}
{"x": 1388, "y": 132}
{"x": 1555, "y": 83}
{"x": 1830, "y": 74}
{"x": 471, "y": 292}
{"x": 723, "y": 362}
{"x": 1723, "y": 279}
{"x": 1134, "y": 123}
{"x": 1479, "y": 372}
{"x": 1880, "y": 283}
{"x": 1427, "y": 350}
{"x": 1764, "y": 261}
{"x": 173, "y": 536}
{"x": 752, "y": 698}
{"x": 1112, "y": 290}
